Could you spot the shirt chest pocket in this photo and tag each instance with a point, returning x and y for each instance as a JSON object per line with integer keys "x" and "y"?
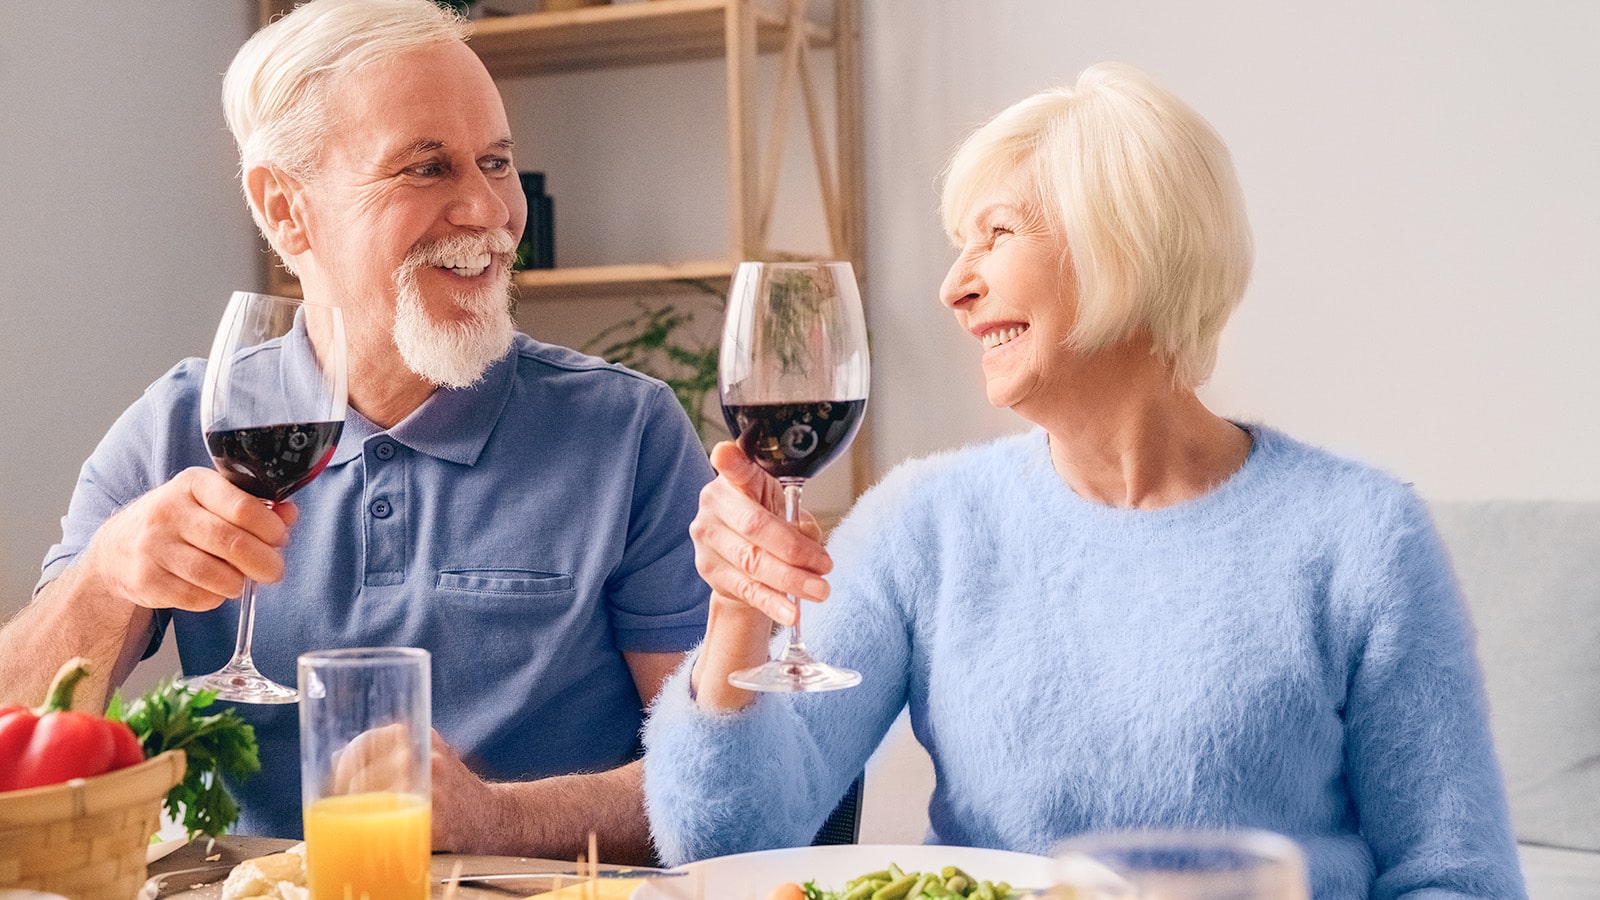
{"x": 488, "y": 585}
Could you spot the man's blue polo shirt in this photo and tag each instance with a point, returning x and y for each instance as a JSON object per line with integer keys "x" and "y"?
{"x": 525, "y": 531}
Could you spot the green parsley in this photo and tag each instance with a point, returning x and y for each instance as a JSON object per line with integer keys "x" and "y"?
{"x": 169, "y": 718}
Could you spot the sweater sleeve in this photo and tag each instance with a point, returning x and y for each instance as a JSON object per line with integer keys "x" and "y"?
{"x": 768, "y": 776}
{"x": 1419, "y": 755}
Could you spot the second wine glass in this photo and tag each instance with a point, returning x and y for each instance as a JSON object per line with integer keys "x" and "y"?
{"x": 271, "y": 410}
{"x": 793, "y": 377}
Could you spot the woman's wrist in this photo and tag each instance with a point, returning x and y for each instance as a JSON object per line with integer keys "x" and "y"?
{"x": 737, "y": 637}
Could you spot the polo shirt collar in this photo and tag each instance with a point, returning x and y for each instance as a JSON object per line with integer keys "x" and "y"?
{"x": 453, "y": 424}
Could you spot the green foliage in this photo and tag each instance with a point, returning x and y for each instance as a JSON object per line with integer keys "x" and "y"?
{"x": 659, "y": 342}
{"x": 796, "y": 296}
{"x": 169, "y": 718}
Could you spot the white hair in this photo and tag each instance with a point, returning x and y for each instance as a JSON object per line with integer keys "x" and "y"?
{"x": 1145, "y": 193}
{"x": 275, "y": 92}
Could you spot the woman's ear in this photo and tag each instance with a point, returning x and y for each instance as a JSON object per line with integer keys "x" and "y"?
{"x": 278, "y": 198}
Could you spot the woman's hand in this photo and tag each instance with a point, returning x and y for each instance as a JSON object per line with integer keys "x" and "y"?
{"x": 753, "y": 560}
{"x": 743, "y": 547}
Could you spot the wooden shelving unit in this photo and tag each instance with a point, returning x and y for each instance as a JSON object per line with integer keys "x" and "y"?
{"x": 602, "y": 37}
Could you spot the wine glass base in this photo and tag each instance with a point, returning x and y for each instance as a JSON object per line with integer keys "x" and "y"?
{"x": 782, "y": 676}
{"x": 243, "y": 686}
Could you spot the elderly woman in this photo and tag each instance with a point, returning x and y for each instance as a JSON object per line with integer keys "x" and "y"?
{"x": 1137, "y": 613}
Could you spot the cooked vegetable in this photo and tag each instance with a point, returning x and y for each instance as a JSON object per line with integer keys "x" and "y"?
{"x": 56, "y": 743}
{"x": 169, "y": 718}
{"x": 893, "y": 883}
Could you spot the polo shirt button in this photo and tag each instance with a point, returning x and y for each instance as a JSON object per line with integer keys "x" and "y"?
{"x": 381, "y": 509}
{"x": 385, "y": 451}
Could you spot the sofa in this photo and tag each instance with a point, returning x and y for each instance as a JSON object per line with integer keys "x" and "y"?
{"x": 1531, "y": 575}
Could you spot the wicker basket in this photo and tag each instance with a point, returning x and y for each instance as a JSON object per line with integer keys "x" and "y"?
{"x": 86, "y": 838}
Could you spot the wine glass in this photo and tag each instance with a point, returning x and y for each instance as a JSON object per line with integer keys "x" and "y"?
{"x": 792, "y": 376}
{"x": 1183, "y": 864}
{"x": 271, "y": 410}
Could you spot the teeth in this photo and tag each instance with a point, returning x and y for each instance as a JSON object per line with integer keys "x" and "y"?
{"x": 470, "y": 266}
{"x": 1002, "y": 336}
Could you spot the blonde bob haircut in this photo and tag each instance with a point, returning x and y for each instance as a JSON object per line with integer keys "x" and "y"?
{"x": 1144, "y": 191}
{"x": 274, "y": 94}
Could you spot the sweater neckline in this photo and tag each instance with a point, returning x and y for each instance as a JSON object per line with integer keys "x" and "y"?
{"x": 1224, "y": 503}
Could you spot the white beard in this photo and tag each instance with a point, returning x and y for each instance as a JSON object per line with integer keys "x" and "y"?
{"x": 454, "y": 354}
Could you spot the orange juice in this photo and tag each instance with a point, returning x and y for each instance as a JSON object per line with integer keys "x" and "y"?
{"x": 373, "y": 846}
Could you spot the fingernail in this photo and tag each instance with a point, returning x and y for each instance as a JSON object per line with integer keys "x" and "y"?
{"x": 816, "y": 588}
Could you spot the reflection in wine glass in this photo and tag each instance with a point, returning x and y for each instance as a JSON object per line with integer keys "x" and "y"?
{"x": 793, "y": 377}
{"x": 271, "y": 410}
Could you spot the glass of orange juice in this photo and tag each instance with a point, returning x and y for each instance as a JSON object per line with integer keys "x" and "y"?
{"x": 364, "y": 772}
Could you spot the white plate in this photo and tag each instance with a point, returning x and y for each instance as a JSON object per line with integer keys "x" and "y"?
{"x": 752, "y": 876}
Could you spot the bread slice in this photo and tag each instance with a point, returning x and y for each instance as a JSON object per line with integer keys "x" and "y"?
{"x": 279, "y": 876}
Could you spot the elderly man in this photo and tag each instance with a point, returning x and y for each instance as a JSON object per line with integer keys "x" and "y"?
{"x": 517, "y": 509}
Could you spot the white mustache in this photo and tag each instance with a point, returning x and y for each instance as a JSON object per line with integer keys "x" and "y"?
{"x": 455, "y": 246}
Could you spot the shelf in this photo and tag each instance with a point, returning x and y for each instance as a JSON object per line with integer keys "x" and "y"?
{"x": 595, "y": 37}
{"x": 580, "y": 282}
{"x": 615, "y": 281}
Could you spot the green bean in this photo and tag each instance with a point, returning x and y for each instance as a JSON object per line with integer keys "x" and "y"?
{"x": 896, "y": 889}
{"x": 948, "y": 883}
{"x": 923, "y": 880}
{"x": 861, "y": 891}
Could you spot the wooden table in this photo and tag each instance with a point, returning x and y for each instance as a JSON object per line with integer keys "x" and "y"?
{"x": 196, "y": 872}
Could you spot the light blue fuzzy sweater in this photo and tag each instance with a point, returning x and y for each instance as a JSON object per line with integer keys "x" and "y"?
{"x": 1289, "y": 651}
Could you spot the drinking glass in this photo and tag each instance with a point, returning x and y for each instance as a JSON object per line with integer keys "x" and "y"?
{"x": 271, "y": 409}
{"x": 1181, "y": 865}
{"x": 364, "y": 772}
{"x": 793, "y": 378}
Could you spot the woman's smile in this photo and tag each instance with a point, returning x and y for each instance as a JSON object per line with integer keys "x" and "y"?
{"x": 996, "y": 338}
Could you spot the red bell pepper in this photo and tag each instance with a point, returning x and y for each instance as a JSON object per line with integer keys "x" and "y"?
{"x": 54, "y": 743}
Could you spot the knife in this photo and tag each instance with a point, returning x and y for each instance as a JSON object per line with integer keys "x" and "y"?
{"x": 570, "y": 874}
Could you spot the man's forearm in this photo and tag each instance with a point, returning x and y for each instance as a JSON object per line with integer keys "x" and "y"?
{"x": 68, "y": 618}
{"x": 552, "y": 818}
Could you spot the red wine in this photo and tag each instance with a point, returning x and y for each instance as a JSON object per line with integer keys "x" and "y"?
{"x": 273, "y": 461}
{"x": 794, "y": 440}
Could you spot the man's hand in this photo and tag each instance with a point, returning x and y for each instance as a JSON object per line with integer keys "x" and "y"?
{"x": 463, "y": 803}
{"x": 189, "y": 544}
{"x": 549, "y": 817}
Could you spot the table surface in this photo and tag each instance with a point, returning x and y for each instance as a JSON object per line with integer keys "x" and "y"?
{"x": 196, "y": 871}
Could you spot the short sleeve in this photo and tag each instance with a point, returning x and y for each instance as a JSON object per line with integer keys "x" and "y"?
{"x": 154, "y": 439}
{"x": 657, "y": 600}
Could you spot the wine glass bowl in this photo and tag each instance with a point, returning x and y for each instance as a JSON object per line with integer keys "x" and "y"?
{"x": 793, "y": 376}
{"x": 271, "y": 410}
{"x": 1181, "y": 864}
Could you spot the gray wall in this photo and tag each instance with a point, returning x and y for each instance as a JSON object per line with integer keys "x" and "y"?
{"x": 1421, "y": 181}
{"x": 121, "y": 232}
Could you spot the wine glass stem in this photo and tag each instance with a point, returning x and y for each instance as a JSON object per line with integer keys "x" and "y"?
{"x": 247, "y": 626}
{"x": 791, "y": 513}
